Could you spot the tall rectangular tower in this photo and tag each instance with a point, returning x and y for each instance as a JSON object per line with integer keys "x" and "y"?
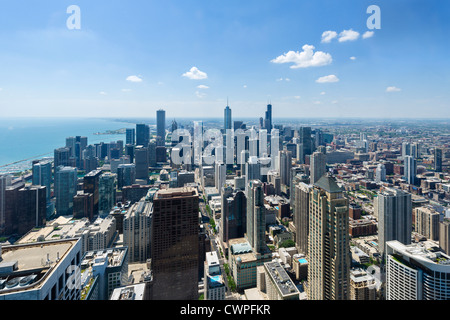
{"x": 175, "y": 244}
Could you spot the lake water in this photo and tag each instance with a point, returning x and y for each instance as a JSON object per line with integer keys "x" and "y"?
{"x": 35, "y": 138}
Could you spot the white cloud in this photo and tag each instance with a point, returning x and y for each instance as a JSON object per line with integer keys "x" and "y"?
{"x": 195, "y": 74}
{"x": 134, "y": 79}
{"x": 393, "y": 89}
{"x": 328, "y": 79}
{"x": 306, "y": 58}
{"x": 322, "y": 93}
{"x": 327, "y": 36}
{"x": 202, "y": 86}
{"x": 368, "y": 34}
{"x": 348, "y": 35}
{"x": 297, "y": 97}
{"x": 244, "y": 86}
{"x": 200, "y": 94}
{"x": 285, "y": 79}
{"x": 352, "y": 58}
{"x": 103, "y": 93}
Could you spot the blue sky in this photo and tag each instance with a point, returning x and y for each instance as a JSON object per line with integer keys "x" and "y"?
{"x": 189, "y": 56}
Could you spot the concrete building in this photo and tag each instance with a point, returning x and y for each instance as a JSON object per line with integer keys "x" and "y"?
{"x": 426, "y": 222}
{"x": 214, "y": 283}
{"x": 278, "y": 284}
{"x": 318, "y": 166}
{"x": 41, "y": 271}
{"x": 414, "y": 272}
{"x": 328, "y": 242}
{"x": 301, "y": 216}
{"x": 362, "y": 285}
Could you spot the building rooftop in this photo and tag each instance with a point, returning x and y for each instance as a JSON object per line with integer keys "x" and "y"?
{"x": 281, "y": 279}
{"x": 131, "y": 292}
{"x": 328, "y": 184}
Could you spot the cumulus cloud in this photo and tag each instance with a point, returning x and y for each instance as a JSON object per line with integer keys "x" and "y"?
{"x": 393, "y": 89}
{"x": 305, "y": 59}
{"x": 327, "y": 36}
{"x": 352, "y": 58}
{"x": 328, "y": 79}
{"x": 368, "y": 34}
{"x": 348, "y": 35}
{"x": 202, "y": 86}
{"x": 134, "y": 79}
{"x": 195, "y": 74}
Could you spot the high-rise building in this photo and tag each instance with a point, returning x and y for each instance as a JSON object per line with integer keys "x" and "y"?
{"x": 301, "y": 216}
{"x": 5, "y": 181}
{"x": 410, "y": 167}
{"x": 318, "y": 166}
{"x": 42, "y": 175}
{"x": 426, "y": 222}
{"x": 328, "y": 242}
{"x": 406, "y": 149}
{"x": 175, "y": 244}
{"x": 362, "y": 285}
{"x": 233, "y": 215}
{"x": 415, "y": 273}
{"x": 214, "y": 282}
{"x": 380, "y": 173}
{"x": 31, "y": 207}
{"x": 65, "y": 189}
{"x": 137, "y": 229}
{"x": 91, "y": 183}
{"x": 130, "y": 136}
{"x": 83, "y": 206}
{"x": 227, "y": 124}
{"x": 41, "y": 271}
{"x": 393, "y": 208}
{"x": 220, "y": 175}
{"x": 106, "y": 193}
{"x": 444, "y": 235}
{"x": 61, "y": 157}
{"x": 141, "y": 162}
{"x": 285, "y": 165}
{"x": 126, "y": 175}
{"x": 268, "y": 118}
{"x": 279, "y": 285}
{"x": 438, "y": 159}
{"x": 306, "y": 140}
{"x": 161, "y": 126}
{"x": 142, "y": 134}
{"x": 256, "y": 217}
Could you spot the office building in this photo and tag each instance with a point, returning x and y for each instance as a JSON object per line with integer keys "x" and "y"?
{"x": 106, "y": 193}
{"x": 306, "y": 141}
{"x": 65, "y": 189}
{"x": 91, "y": 183}
{"x": 31, "y": 208}
{"x": 61, "y": 158}
{"x": 83, "y": 205}
{"x": 444, "y": 235}
{"x": 268, "y": 118}
{"x": 126, "y": 175}
{"x": 285, "y": 166}
{"x": 227, "y": 125}
{"x": 233, "y": 215}
{"x": 393, "y": 208}
{"x": 318, "y": 166}
{"x": 137, "y": 229}
{"x": 362, "y": 285}
{"x": 5, "y": 181}
{"x": 256, "y": 217}
{"x": 214, "y": 283}
{"x": 130, "y": 136}
{"x": 301, "y": 216}
{"x": 380, "y": 173}
{"x": 141, "y": 162}
{"x": 413, "y": 272}
{"x": 410, "y": 169}
{"x": 41, "y": 271}
{"x": 175, "y": 244}
{"x": 328, "y": 242}
{"x": 42, "y": 175}
{"x": 161, "y": 127}
{"x": 438, "y": 159}
{"x": 142, "y": 134}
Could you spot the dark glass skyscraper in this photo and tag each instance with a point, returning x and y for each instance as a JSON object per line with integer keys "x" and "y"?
{"x": 227, "y": 118}
{"x": 175, "y": 244}
{"x": 161, "y": 126}
{"x": 268, "y": 118}
{"x": 130, "y": 137}
{"x": 142, "y": 134}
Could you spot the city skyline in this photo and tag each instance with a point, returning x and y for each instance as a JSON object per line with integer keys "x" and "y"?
{"x": 308, "y": 60}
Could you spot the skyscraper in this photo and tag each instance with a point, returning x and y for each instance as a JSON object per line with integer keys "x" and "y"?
{"x": 126, "y": 175}
{"x": 175, "y": 244}
{"x": 227, "y": 124}
{"x": 268, "y": 118}
{"x": 301, "y": 215}
{"x": 91, "y": 183}
{"x": 380, "y": 173}
{"x": 5, "y": 180}
{"x": 328, "y": 242}
{"x": 393, "y": 208}
{"x": 438, "y": 159}
{"x": 410, "y": 166}
{"x": 65, "y": 189}
{"x": 61, "y": 157}
{"x": 106, "y": 193}
{"x": 42, "y": 175}
{"x": 142, "y": 134}
{"x": 233, "y": 216}
{"x": 32, "y": 208}
{"x": 306, "y": 140}
{"x": 318, "y": 166}
{"x": 256, "y": 217}
{"x": 130, "y": 137}
{"x": 141, "y": 161}
{"x": 285, "y": 165}
{"x": 161, "y": 126}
